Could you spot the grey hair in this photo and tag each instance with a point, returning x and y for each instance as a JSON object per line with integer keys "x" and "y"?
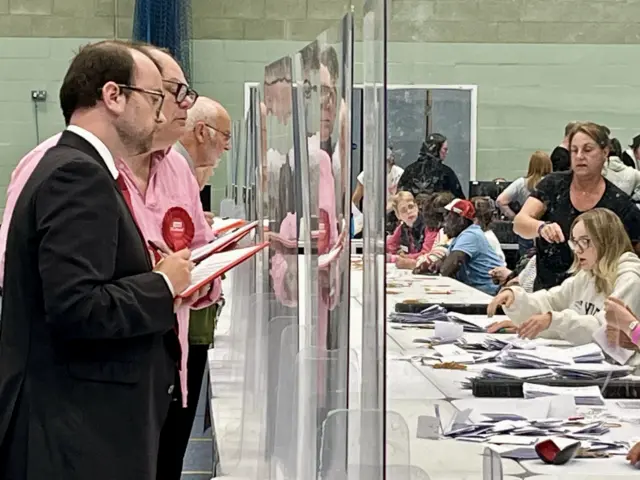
{"x": 204, "y": 110}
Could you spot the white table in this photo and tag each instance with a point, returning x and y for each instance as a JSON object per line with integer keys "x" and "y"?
{"x": 419, "y": 286}
{"x": 630, "y": 474}
{"x": 412, "y": 391}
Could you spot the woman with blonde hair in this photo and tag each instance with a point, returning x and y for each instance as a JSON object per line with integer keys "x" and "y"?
{"x": 604, "y": 265}
{"x": 520, "y": 189}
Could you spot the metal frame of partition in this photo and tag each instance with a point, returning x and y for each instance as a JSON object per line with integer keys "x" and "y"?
{"x": 374, "y": 107}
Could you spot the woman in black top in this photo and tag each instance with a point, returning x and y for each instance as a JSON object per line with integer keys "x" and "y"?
{"x": 429, "y": 174}
{"x": 560, "y": 197}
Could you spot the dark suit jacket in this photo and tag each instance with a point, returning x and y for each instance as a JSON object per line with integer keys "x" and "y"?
{"x": 87, "y": 362}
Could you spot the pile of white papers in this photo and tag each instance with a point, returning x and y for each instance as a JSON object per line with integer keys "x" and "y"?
{"x": 501, "y": 373}
{"x": 519, "y": 433}
{"x": 589, "y": 353}
{"x": 474, "y": 323}
{"x": 549, "y": 357}
{"x": 582, "y": 395}
{"x": 593, "y": 371}
{"x": 499, "y": 343}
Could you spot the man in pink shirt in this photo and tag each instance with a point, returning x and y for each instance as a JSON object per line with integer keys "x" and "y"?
{"x": 161, "y": 190}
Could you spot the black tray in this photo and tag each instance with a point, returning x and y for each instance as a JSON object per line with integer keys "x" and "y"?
{"x": 616, "y": 388}
{"x": 464, "y": 308}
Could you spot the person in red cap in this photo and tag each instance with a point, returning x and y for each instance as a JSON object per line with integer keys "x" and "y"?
{"x": 469, "y": 257}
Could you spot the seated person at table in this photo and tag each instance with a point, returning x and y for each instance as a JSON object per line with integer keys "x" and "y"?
{"x": 432, "y": 209}
{"x": 604, "y": 264}
{"x": 484, "y": 217}
{"x": 523, "y": 276}
{"x": 412, "y": 237}
{"x": 469, "y": 257}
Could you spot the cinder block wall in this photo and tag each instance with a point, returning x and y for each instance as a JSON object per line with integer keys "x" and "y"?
{"x": 538, "y": 63}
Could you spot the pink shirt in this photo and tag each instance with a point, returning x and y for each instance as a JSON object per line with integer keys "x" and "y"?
{"x": 171, "y": 184}
{"x": 19, "y": 177}
{"x": 394, "y": 244}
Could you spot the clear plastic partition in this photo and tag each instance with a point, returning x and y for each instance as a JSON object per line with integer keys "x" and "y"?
{"x": 372, "y": 426}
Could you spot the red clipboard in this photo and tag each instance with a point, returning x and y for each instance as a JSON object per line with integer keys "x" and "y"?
{"x": 221, "y": 226}
{"x": 217, "y": 265}
{"x": 222, "y": 243}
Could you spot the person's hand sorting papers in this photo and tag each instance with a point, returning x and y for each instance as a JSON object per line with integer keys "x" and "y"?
{"x": 529, "y": 329}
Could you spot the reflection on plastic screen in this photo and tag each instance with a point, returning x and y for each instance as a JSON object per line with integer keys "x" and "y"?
{"x": 373, "y": 300}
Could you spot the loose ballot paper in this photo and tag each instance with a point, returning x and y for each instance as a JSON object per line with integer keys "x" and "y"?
{"x": 218, "y": 264}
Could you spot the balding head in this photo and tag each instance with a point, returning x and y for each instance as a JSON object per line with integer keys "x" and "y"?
{"x": 207, "y": 137}
{"x": 209, "y": 111}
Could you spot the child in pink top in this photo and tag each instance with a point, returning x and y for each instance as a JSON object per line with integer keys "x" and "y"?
{"x": 412, "y": 237}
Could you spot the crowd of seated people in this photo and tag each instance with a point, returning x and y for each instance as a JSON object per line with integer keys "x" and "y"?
{"x": 575, "y": 210}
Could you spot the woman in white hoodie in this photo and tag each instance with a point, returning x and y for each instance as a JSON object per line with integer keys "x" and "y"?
{"x": 604, "y": 265}
{"x": 625, "y": 178}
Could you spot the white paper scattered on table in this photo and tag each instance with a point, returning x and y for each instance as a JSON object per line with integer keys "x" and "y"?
{"x": 447, "y": 332}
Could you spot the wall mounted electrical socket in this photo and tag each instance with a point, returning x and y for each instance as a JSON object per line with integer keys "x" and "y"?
{"x": 39, "y": 95}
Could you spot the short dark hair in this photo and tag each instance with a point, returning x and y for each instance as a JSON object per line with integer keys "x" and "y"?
{"x": 329, "y": 58}
{"x": 92, "y": 67}
{"x": 310, "y": 57}
{"x": 484, "y": 211}
{"x": 569, "y": 127}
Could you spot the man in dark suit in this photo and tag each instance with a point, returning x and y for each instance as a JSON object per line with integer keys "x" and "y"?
{"x": 87, "y": 343}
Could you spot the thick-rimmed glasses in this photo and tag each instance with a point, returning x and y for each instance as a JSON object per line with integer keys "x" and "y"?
{"x": 579, "y": 245}
{"x": 183, "y": 93}
{"x": 157, "y": 97}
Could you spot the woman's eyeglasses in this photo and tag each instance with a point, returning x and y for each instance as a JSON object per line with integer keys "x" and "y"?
{"x": 579, "y": 244}
{"x": 183, "y": 93}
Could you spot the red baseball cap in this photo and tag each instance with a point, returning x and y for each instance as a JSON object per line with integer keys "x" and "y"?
{"x": 464, "y": 208}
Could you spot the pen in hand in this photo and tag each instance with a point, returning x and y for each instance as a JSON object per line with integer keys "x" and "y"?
{"x": 160, "y": 249}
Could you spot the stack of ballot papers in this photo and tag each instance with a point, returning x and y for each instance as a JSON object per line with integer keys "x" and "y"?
{"x": 593, "y": 371}
{"x": 548, "y": 357}
{"x": 501, "y": 373}
{"x": 582, "y": 395}
{"x": 474, "y": 323}
{"x": 428, "y": 316}
{"x": 437, "y": 313}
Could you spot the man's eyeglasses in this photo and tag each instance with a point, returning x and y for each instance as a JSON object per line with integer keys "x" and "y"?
{"x": 327, "y": 93}
{"x": 226, "y": 135}
{"x": 157, "y": 98}
{"x": 183, "y": 93}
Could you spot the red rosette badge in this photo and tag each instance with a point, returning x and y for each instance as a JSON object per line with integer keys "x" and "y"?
{"x": 177, "y": 229}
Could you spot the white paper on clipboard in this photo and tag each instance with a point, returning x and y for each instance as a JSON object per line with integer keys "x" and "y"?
{"x": 218, "y": 264}
{"x": 221, "y": 226}
{"x": 219, "y": 244}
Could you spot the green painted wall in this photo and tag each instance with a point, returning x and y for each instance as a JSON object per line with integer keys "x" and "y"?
{"x": 537, "y": 63}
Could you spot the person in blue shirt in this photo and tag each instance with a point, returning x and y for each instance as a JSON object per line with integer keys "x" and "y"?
{"x": 470, "y": 257}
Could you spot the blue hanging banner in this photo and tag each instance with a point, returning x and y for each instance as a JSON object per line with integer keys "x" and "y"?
{"x": 165, "y": 23}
